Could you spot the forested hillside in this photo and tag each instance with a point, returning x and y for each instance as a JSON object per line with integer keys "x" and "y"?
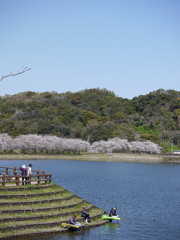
{"x": 93, "y": 114}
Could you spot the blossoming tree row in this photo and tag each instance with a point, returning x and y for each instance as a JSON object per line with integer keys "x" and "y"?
{"x": 122, "y": 145}
{"x": 34, "y": 142}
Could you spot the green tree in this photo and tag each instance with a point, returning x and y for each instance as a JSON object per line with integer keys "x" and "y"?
{"x": 88, "y": 115}
{"x": 30, "y": 94}
{"x": 150, "y": 137}
{"x": 32, "y": 105}
{"x": 119, "y": 116}
{"x": 176, "y": 137}
{"x": 48, "y": 112}
{"x": 175, "y": 104}
{"x": 177, "y": 112}
{"x": 76, "y": 100}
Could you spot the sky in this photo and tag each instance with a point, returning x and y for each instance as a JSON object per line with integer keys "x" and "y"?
{"x": 130, "y": 47}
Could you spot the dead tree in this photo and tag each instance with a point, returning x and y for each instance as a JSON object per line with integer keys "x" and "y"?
{"x": 25, "y": 69}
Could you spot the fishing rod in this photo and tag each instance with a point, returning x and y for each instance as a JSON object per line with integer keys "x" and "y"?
{"x": 105, "y": 212}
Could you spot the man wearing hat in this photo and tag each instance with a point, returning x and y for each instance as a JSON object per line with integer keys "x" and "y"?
{"x": 29, "y": 172}
{"x": 113, "y": 212}
{"x": 72, "y": 220}
{"x": 85, "y": 214}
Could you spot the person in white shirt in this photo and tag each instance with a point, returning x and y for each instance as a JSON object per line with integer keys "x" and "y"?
{"x": 29, "y": 172}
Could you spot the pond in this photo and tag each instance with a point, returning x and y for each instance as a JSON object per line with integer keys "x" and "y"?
{"x": 147, "y": 195}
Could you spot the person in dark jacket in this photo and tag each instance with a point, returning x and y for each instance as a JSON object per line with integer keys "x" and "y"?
{"x": 72, "y": 220}
{"x": 113, "y": 212}
{"x": 85, "y": 214}
{"x": 23, "y": 173}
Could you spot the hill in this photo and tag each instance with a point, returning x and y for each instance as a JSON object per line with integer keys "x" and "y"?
{"x": 94, "y": 114}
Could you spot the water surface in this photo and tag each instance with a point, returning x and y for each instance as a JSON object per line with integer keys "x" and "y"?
{"x": 148, "y": 195}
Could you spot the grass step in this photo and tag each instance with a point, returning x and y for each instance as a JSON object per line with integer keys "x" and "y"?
{"x": 39, "y": 210}
{"x": 41, "y": 206}
{"x": 46, "y": 230}
{"x": 36, "y": 202}
{"x": 36, "y": 189}
{"x": 55, "y": 215}
{"x": 31, "y": 195}
{"x": 43, "y": 223}
{"x": 27, "y": 188}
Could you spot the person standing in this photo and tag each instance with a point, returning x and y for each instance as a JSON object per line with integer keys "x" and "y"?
{"x": 29, "y": 172}
{"x": 23, "y": 173}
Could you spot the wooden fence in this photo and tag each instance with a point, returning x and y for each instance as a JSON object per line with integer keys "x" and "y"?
{"x": 12, "y": 176}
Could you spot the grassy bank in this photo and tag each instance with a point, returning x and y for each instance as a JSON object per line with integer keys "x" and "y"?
{"x": 19, "y": 220}
{"x": 116, "y": 157}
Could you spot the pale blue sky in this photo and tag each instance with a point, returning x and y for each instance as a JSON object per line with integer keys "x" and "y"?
{"x": 131, "y": 47}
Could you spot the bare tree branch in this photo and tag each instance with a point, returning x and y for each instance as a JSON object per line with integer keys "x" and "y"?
{"x": 25, "y": 69}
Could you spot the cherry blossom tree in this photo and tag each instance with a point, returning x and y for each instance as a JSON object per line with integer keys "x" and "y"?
{"x": 6, "y": 142}
{"x": 34, "y": 142}
{"x": 122, "y": 145}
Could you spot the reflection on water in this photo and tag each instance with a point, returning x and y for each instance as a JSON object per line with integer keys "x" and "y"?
{"x": 146, "y": 194}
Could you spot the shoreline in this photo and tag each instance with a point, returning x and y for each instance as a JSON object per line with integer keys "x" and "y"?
{"x": 116, "y": 157}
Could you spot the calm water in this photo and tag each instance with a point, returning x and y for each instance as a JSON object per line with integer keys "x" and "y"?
{"x": 146, "y": 194}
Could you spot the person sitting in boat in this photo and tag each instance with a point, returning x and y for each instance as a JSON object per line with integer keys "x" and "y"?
{"x": 85, "y": 214}
{"x": 72, "y": 221}
{"x": 113, "y": 212}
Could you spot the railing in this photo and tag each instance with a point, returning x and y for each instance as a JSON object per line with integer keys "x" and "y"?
{"x": 15, "y": 171}
{"x": 13, "y": 177}
{"x": 169, "y": 154}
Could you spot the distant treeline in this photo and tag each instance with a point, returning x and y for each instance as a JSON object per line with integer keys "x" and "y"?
{"x": 93, "y": 114}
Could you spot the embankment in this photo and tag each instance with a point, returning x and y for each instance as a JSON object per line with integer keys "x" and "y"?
{"x": 36, "y": 210}
{"x": 116, "y": 157}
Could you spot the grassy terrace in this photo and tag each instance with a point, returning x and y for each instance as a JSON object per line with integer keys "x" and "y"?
{"x": 43, "y": 230}
{"x": 33, "y": 207}
{"x": 52, "y": 219}
{"x": 31, "y": 199}
{"x": 34, "y": 190}
{"x": 24, "y": 213}
{"x": 40, "y": 213}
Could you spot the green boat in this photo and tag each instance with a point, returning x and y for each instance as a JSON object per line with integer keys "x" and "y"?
{"x": 107, "y": 217}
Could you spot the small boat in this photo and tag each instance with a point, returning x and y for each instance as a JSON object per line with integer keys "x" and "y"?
{"x": 66, "y": 225}
{"x": 107, "y": 217}
{"x": 71, "y": 227}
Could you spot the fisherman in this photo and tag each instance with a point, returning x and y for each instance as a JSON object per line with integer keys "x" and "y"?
{"x": 85, "y": 214}
{"x": 113, "y": 212}
{"x": 73, "y": 221}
